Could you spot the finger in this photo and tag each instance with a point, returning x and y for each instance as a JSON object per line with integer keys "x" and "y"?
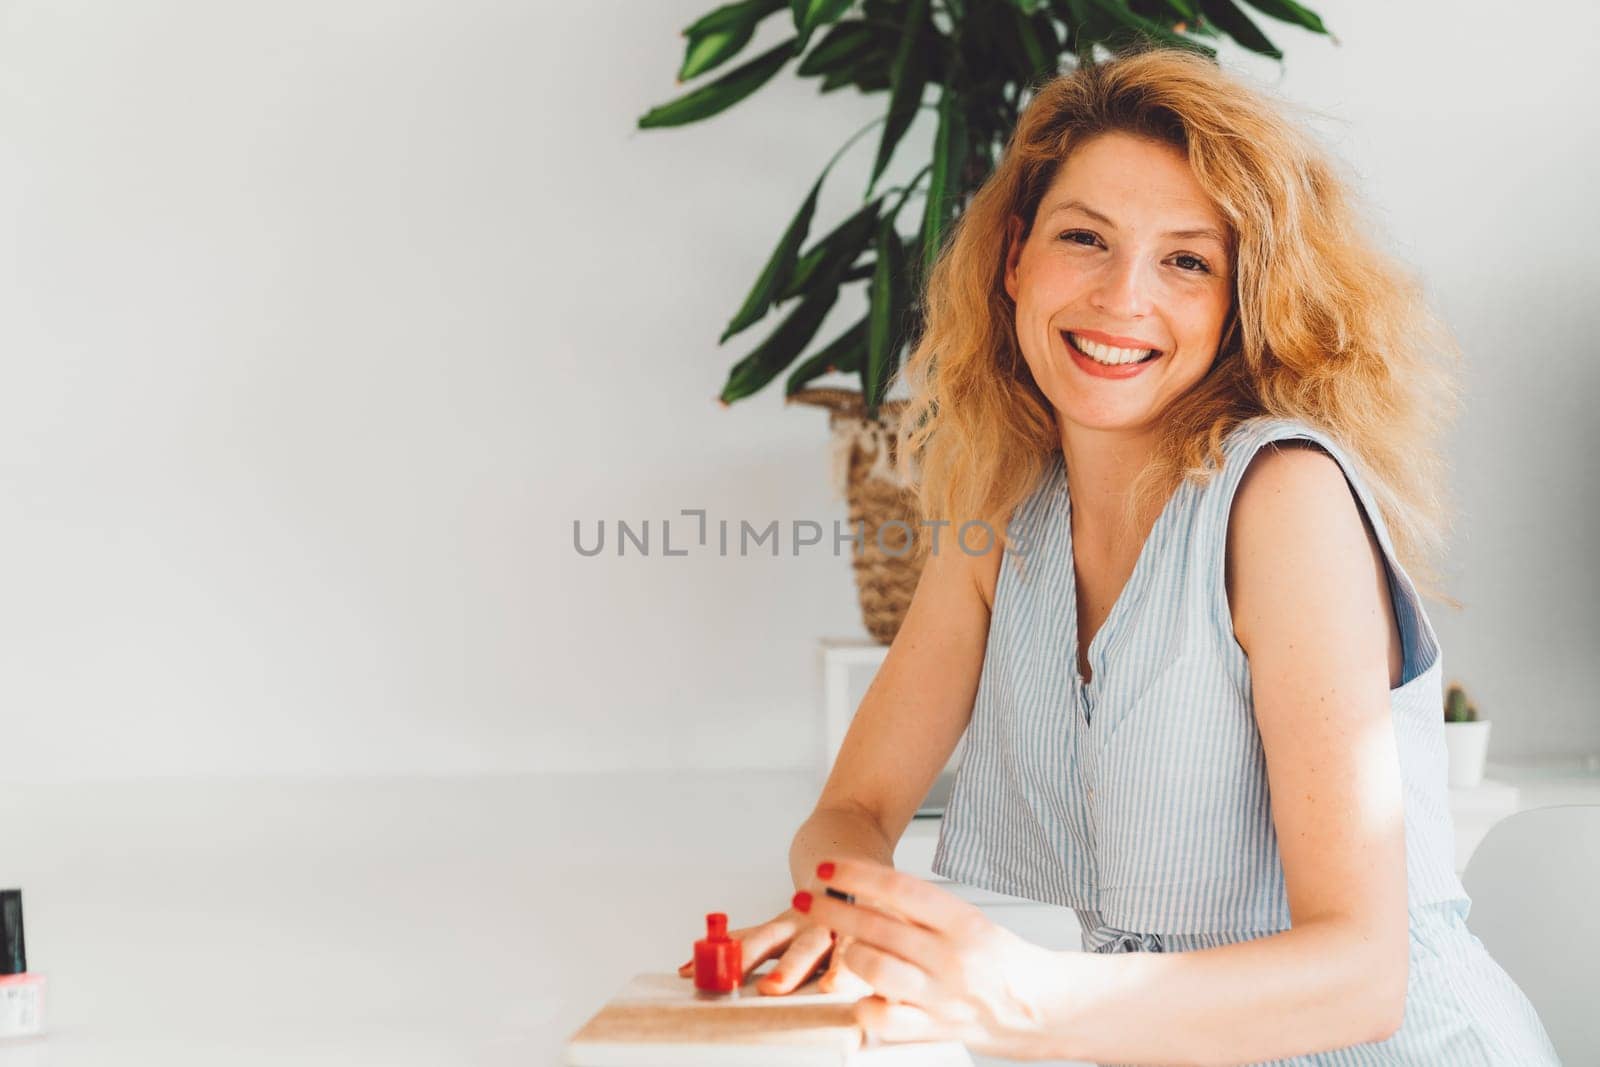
{"x": 761, "y": 943}
{"x": 890, "y": 1022}
{"x": 889, "y": 976}
{"x": 894, "y": 892}
{"x": 915, "y": 944}
{"x": 835, "y": 963}
{"x": 798, "y": 964}
{"x": 839, "y": 973}
{"x": 801, "y": 960}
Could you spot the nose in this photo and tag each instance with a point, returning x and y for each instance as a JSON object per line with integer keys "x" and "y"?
{"x": 1121, "y": 291}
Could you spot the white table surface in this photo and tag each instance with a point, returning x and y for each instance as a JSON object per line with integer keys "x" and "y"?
{"x": 391, "y": 921}
{"x": 380, "y": 921}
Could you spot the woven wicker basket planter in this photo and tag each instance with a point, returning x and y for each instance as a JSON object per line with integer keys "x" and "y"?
{"x": 863, "y": 455}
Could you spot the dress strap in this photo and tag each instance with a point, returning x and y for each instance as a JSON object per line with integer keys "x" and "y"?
{"x": 1420, "y": 642}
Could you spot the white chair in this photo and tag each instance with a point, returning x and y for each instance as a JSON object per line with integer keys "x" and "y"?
{"x": 1534, "y": 881}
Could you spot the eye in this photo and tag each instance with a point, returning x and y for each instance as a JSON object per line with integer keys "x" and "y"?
{"x": 1089, "y": 239}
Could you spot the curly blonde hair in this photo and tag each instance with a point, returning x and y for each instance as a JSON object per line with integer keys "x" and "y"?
{"x": 1324, "y": 327}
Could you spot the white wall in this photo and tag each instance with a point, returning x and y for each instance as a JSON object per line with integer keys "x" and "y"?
{"x": 322, "y": 322}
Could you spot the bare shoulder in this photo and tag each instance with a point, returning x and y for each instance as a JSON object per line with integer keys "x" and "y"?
{"x": 967, "y": 556}
{"x": 1299, "y": 541}
{"x": 985, "y": 567}
{"x": 1292, "y": 507}
{"x": 1291, "y": 472}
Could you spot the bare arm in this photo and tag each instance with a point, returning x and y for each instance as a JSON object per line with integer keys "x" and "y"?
{"x": 908, "y": 723}
{"x": 1311, "y": 608}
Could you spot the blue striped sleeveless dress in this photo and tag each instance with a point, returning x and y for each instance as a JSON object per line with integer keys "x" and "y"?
{"x": 1140, "y": 798}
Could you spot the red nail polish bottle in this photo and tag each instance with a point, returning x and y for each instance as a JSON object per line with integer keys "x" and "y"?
{"x": 718, "y": 966}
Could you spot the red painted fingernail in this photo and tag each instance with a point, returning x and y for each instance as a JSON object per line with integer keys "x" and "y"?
{"x": 802, "y": 901}
{"x": 825, "y": 870}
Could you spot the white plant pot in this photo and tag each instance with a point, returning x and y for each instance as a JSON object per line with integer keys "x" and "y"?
{"x": 1468, "y": 746}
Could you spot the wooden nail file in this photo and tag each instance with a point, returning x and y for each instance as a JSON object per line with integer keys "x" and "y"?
{"x": 656, "y": 1020}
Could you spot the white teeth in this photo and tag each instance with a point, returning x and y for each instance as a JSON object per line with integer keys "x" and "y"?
{"x": 1107, "y": 354}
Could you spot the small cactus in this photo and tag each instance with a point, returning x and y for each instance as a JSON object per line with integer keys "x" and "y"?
{"x": 1456, "y": 706}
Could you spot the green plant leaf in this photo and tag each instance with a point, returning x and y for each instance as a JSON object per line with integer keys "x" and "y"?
{"x": 843, "y": 355}
{"x": 907, "y": 77}
{"x": 1027, "y": 7}
{"x": 809, "y": 14}
{"x": 837, "y": 250}
{"x": 884, "y": 319}
{"x": 1004, "y": 48}
{"x": 780, "y": 266}
{"x": 991, "y": 48}
{"x": 781, "y": 347}
{"x": 719, "y": 36}
{"x": 1050, "y": 42}
{"x": 836, "y": 80}
{"x": 844, "y": 43}
{"x": 870, "y": 73}
{"x": 723, "y": 93}
{"x": 1289, "y": 11}
{"x": 1122, "y": 21}
{"x": 949, "y": 154}
{"x": 729, "y": 15}
{"x": 1184, "y": 10}
{"x": 1040, "y": 59}
{"x": 711, "y": 50}
{"x": 1236, "y": 24}
{"x": 1082, "y": 31}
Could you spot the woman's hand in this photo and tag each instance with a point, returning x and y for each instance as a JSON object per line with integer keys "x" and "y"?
{"x": 804, "y": 947}
{"x": 941, "y": 969}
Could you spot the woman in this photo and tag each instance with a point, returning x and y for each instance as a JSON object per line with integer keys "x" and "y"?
{"x": 1200, "y": 694}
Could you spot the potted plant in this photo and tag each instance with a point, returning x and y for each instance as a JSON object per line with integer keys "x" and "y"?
{"x": 978, "y": 59}
{"x": 1466, "y": 738}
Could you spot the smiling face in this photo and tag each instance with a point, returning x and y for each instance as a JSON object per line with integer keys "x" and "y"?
{"x": 1127, "y": 254}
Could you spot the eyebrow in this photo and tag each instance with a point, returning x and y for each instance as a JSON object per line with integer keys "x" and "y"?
{"x": 1204, "y": 231}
